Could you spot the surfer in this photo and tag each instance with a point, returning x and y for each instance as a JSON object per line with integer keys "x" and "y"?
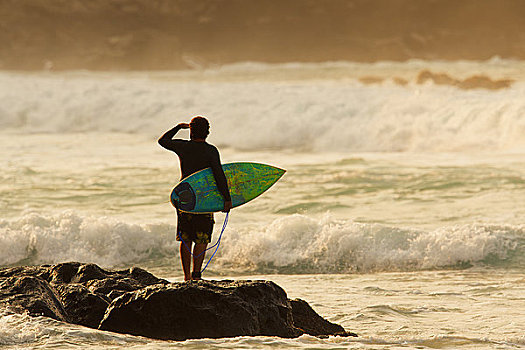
{"x": 194, "y": 155}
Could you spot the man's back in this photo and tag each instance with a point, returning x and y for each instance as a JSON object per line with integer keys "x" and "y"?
{"x": 194, "y": 155}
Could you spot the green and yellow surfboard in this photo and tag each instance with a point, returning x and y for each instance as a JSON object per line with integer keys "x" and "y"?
{"x": 198, "y": 193}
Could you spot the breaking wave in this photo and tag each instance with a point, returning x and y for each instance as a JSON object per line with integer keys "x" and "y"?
{"x": 301, "y": 244}
{"x": 39, "y": 239}
{"x": 291, "y": 244}
{"x": 344, "y": 116}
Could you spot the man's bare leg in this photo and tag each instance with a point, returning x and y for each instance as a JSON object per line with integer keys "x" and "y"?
{"x": 198, "y": 257}
{"x": 185, "y": 257}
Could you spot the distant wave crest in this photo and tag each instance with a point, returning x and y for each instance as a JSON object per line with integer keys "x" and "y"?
{"x": 253, "y": 115}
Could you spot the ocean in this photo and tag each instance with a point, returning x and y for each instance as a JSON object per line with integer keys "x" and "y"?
{"x": 400, "y": 217}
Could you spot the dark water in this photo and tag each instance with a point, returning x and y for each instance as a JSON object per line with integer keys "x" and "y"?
{"x": 163, "y": 34}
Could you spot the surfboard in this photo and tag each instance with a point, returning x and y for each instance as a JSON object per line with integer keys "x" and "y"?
{"x": 198, "y": 193}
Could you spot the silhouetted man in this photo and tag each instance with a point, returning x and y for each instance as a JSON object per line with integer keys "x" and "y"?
{"x": 194, "y": 155}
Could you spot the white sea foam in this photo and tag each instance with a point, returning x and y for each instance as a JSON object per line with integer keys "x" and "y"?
{"x": 301, "y": 244}
{"x": 293, "y": 243}
{"x": 312, "y": 115}
{"x": 67, "y": 236}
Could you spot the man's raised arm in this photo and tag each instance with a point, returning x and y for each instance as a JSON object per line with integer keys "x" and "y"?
{"x": 166, "y": 140}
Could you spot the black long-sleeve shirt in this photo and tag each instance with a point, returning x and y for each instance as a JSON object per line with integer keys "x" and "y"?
{"x": 195, "y": 156}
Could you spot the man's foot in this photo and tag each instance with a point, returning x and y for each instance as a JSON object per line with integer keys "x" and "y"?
{"x": 196, "y": 276}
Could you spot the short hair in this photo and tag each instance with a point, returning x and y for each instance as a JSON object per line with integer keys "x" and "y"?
{"x": 199, "y": 127}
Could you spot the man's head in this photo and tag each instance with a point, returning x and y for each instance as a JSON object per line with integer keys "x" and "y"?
{"x": 199, "y": 128}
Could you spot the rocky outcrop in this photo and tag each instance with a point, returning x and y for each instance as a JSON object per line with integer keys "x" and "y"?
{"x": 71, "y": 292}
{"x": 204, "y": 309}
{"x": 135, "y": 302}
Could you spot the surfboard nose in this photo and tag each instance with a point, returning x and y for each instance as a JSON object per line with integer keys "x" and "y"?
{"x": 280, "y": 172}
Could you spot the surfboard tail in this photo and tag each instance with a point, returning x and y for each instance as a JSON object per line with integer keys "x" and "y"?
{"x": 183, "y": 197}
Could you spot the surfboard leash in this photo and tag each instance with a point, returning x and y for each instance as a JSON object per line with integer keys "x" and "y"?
{"x": 218, "y": 241}
{"x": 217, "y": 244}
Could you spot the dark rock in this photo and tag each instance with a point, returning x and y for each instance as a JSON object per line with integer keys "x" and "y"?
{"x": 142, "y": 276}
{"x": 75, "y": 272}
{"x": 203, "y": 310}
{"x": 136, "y": 302}
{"x": 110, "y": 285}
{"x": 63, "y": 273}
{"x": 114, "y": 294}
{"x": 121, "y": 282}
{"x": 31, "y": 294}
{"x": 19, "y": 271}
{"x": 307, "y": 320}
{"x": 89, "y": 272}
{"x": 82, "y": 306}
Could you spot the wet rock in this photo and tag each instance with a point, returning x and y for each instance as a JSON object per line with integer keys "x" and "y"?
{"x": 142, "y": 276}
{"x": 114, "y": 294}
{"x": 82, "y": 306}
{"x": 114, "y": 284}
{"x": 307, "y": 320}
{"x": 203, "y": 310}
{"x": 19, "y": 271}
{"x": 90, "y": 272}
{"x": 81, "y": 292}
{"x": 31, "y": 294}
{"x": 63, "y": 273}
{"x": 113, "y": 287}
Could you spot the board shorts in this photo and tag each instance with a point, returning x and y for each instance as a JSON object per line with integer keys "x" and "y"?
{"x": 194, "y": 227}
